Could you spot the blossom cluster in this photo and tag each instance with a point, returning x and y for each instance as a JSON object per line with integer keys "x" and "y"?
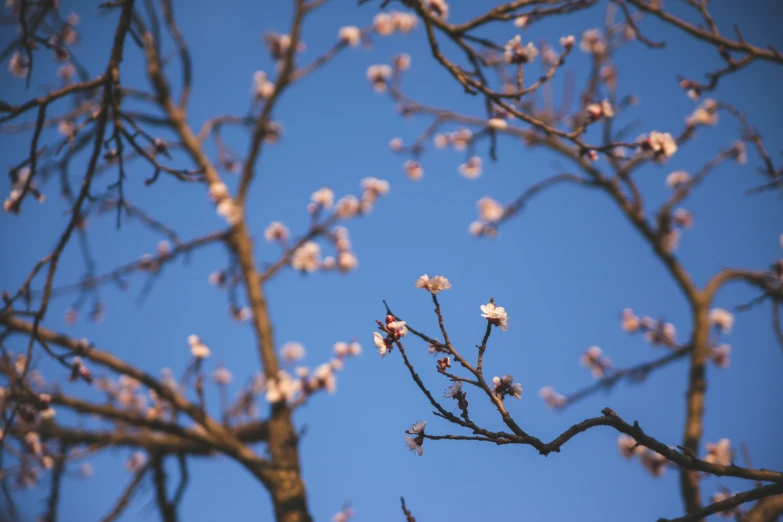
{"x": 652, "y": 461}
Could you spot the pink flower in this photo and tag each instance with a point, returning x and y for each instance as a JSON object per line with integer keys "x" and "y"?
{"x": 471, "y": 168}
{"x": 551, "y": 397}
{"x": 719, "y": 453}
{"x": 351, "y": 35}
{"x": 722, "y": 319}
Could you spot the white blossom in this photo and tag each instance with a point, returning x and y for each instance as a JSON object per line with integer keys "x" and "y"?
{"x": 628, "y": 447}
{"x": 413, "y": 169}
{"x": 380, "y": 343}
{"x": 276, "y": 231}
{"x": 496, "y": 315}
{"x": 433, "y": 284}
{"x": 592, "y": 42}
{"x": 262, "y": 87}
{"x": 720, "y": 355}
{"x": 489, "y": 210}
{"x": 351, "y": 35}
{"x": 551, "y": 397}
{"x": 379, "y": 77}
{"x": 323, "y": 197}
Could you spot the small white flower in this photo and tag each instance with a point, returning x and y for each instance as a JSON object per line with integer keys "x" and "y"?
{"x": 404, "y": 22}
{"x": 630, "y": 322}
{"x": 489, "y": 210}
{"x": 414, "y": 445}
{"x": 198, "y": 349}
{"x": 567, "y": 41}
{"x": 323, "y": 197}
{"x": 453, "y": 390}
{"x": 262, "y": 87}
{"x": 417, "y": 427}
{"x": 346, "y": 261}
{"x": 380, "y": 343}
{"x": 722, "y": 319}
{"x": 551, "y": 397}
{"x": 379, "y": 77}
{"x": 350, "y": 34}
{"x": 276, "y": 231}
{"x": 282, "y": 388}
{"x": 496, "y": 315}
{"x": 521, "y": 21}
{"x": 375, "y": 187}
{"x": 413, "y": 169}
{"x": 497, "y": 123}
{"x": 383, "y": 24}
{"x": 398, "y": 327}
{"x": 434, "y": 284}
{"x": 661, "y": 144}
{"x": 229, "y": 211}
{"x": 396, "y": 144}
{"x": 515, "y": 52}
{"x": 18, "y": 65}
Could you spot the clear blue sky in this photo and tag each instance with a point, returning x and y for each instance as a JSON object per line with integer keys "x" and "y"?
{"x": 564, "y": 270}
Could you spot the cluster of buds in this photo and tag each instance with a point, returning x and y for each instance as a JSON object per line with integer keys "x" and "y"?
{"x": 19, "y": 179}
{"x": 515, "y": 52}
{"x": 387, "y": 23}
{"x": 594, "y": 360}
{"x": 656, "y": 332}
{"x": 80, "y": 371}
{"x": 652, "y": 461}
{"x": 455, "y": 392}
{"x": 660, "y": 144}
{"x": 415, "y": 443}
{"x": 705, "y": 114}
{"x": 225, "y": 206}
{"x": 489, "y": 213}
{"x": 350, "y": 34}
{"x": 379, "y": 76}
{"x": 346, "y": 259}
{"x": 551, "y": 398}
{"x": 413, "y": 169}
{"x": 506, "y": 386}
{"x": 592, "y": 42}
{"x": 444, "y": 363}
{"x": 276, "y": 232}
{"x": 279, "y": 44}
{"x": 472, "y": 168}
{"x": 596, "y": 111}
{"x": 459, "y": 139}
{"x": 393, "y": 329}
{"x": 262, "y": 87}
{"x": 692, "y": 88}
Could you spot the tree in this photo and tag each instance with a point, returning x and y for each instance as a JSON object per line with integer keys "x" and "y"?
{"x": 68, "y": 398}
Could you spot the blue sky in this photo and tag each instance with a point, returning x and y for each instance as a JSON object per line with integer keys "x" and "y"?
{"x": 563, "y": 270}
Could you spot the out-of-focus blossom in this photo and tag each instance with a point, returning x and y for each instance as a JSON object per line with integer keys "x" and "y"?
{"x": 262, "y": 87}
{"x": 350, "y": 34}
{"x": 677, "y": 179}
{"x": 594, "y": 360}
{"x": 471, "y": 168}
{"x": 722, "y": 319}
{"x": 506, "y": 386}
{"x": 627, "y": 446}
{"x": 661, "y": 144}
{"x": 323, "y": 197}
{"x": 307, "y": 257}
{"x": 489, "y": 210}
{"x": 551, "y": 398}
{"x": 379, "y": 77}
{"x": 437, "y": 7}
{"x": 291, "y": 352}
{"x": 198, "y": 349}
{"x": 18, "y": 66}
{"x": 592, "y": 42}
{"x": 720, "y": 355}
{"x": 653, "y": 462}
{"x": 413, "y": 169}
{"x": 136, "y": 462}
{"x": 515, "y": 52}
{"x": 705, "y": 114}
{"x": 719, "y": 453}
